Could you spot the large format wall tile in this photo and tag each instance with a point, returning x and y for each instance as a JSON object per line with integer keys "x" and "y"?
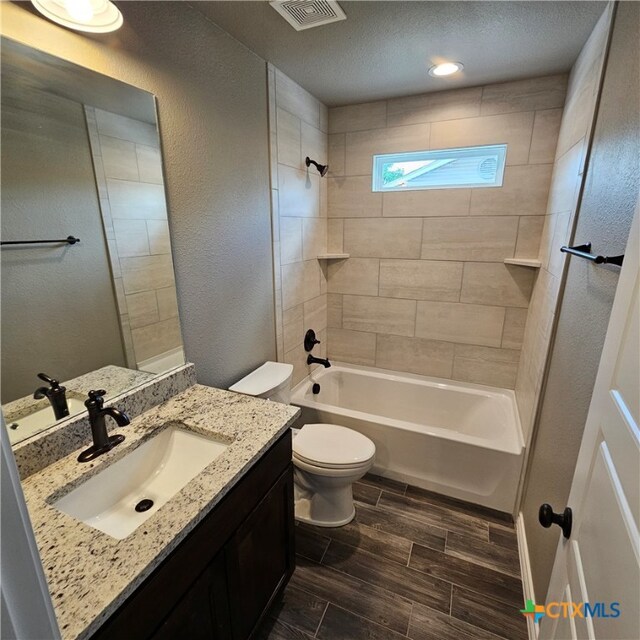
{"x": 299, "y": 192}
{"x": 314, "y": 144}
{"x": 314, "y": 237}
{"x": 288, "y": 138}
{"x": 353, "y": 198}
{"x": 131, "y": 237}
{"x": 380, "y": 315}
{"x": 335, "y": 235}
{"x": 119, "y": 158}
{"x": 358, "y": 276}
{"x": 156, "y": 338}
{"x": 514, "y": 129}
{"x": 480, "y": 238}
{"x": 546, "y": 92}
{"x": 483, "y": 365}
{"x": 136, "y": 200}
{"x": 432, "y": 107}
{"x": 514, "y": 324}
{"x": 358, "y": 117}
{"x": 334, "y": 310}
{"x": 444, "y": 248}
{"x": 380, "y": 238}
{"x": 315, "y": 314}
{"x": 465, "y": 323}
{"x": 529, "y": 234}
{"x": 294, "y": 99}
{"x": 420, "y": 280}
{"x": 117, "y": 126}
{"x": 425, "y": 203}
{"x": 355, "y": 347}
{"x": 337, "y": 154}
{"x": 546, "y": 128}
{"x": 524, "y": 192}
{"x": 495, "y": 283}
{"x": 415, "y": 355}
{"x": 147, "y": 272}
{"x": 290, "y": 240}
{"x": 363, "y": 145}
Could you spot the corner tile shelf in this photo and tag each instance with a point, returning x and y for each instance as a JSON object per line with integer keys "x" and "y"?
{"x": 333, "y": 256}
{"x": 524, "y": 262}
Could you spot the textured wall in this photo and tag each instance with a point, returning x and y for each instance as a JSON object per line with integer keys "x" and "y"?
{"x": 58, "y": 307}
{"x": 611, "y": 192}
{"x": 298, "y": 128}
{"x": 426, "y": 290}
{"x": 212, "y": 105}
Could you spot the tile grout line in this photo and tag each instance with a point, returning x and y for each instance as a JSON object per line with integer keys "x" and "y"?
{"x": 413, "y": 604}
{"x": 315, "y": 635}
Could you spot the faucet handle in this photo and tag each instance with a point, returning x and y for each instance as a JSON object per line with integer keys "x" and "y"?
{"x": 52, "y": 381}
{"x": 95, "y": 398}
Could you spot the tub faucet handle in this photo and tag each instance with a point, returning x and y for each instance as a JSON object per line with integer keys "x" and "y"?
{"x": 310, "y": 340}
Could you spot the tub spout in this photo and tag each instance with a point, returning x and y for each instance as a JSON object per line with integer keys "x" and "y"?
{"x": 323, "y": 361}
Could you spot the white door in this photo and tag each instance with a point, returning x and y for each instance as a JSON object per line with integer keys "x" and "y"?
{"x": 600, "y": 562}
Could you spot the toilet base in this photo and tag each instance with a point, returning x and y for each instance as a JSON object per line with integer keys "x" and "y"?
{"x": 324, "y": 501}
{"x": 302, "y": 508}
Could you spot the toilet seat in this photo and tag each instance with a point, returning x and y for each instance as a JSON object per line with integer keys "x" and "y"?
{"x": 329, "y": 446}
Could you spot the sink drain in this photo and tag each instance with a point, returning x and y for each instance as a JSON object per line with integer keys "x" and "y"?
{"x": 144, "y": 505}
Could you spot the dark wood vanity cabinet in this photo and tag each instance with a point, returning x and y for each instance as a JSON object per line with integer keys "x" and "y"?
{"x": 219, "y": 583}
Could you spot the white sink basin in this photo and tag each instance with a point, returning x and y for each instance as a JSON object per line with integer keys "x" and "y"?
{"x": 39, "y": 420}
{"x": 156, "y": 470}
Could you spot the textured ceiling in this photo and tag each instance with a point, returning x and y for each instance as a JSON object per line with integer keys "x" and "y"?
{"x": 384, "y": 49}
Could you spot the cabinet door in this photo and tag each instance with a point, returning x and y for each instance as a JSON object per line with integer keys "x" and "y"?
{"x": 203, "y": 612}
{"x": 260, "y": 557}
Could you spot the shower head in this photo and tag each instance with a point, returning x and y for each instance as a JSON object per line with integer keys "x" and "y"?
{"x": 322, "y": 168}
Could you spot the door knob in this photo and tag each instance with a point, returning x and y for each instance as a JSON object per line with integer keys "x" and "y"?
{"x": 547, "y": 517}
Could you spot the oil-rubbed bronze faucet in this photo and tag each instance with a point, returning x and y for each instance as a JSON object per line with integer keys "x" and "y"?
{"x": 56, "y": 395}
{"x": 97, "y": 414}
{"x": 323, "y": 361}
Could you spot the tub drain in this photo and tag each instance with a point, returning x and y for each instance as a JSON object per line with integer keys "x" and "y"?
{"x": 144, "y": 505}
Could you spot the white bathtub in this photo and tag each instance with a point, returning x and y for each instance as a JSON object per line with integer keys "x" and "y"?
{"x": 459, "y": 439}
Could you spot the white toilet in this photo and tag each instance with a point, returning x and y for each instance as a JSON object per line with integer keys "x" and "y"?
{"x": 327, "y": 458}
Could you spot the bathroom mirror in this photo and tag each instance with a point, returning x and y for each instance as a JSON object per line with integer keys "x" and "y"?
{"x": 81, "y": 158}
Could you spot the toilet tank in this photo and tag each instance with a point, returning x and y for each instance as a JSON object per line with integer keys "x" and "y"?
{"x": 271, "y": 381}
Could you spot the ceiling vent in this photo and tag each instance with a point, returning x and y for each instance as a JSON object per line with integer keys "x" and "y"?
{"x": 306, "y": 14}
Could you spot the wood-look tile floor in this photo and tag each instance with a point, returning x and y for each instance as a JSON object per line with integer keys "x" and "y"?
{"x": 411, "y": 565}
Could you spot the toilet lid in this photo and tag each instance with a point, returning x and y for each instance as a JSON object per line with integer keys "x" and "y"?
{"x": 328, "y": 445}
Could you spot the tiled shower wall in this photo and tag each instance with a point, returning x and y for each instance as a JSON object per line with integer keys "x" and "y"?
{"x": 298, "y": 128}
{"x": 128, "y": 167}
{"x": 571, "y": 153}
{"x": 425, "y": 289}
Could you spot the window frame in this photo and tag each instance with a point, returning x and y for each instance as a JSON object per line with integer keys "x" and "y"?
{"x": 382, "y": 159}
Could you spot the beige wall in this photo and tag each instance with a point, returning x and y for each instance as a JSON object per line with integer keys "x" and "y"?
{"x": 566, "y": 182}
{"x": 212, "y": 106}
{"x": 606, "y": 211}
{"x": 426, "y": 289}
{"x": 298, "y": 128}
{"x": 128, "y": 168}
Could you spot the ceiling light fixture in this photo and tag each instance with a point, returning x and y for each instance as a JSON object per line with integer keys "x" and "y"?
{"x": 445, "y": 69}
{"x": 92, "y": 16}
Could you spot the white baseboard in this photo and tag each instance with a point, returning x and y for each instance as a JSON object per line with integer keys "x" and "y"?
{"x": 525, "y": 571}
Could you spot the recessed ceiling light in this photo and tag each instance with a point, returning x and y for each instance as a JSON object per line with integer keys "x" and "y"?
{"x": 93, "y": 16}
{"x": 445, "y": 69}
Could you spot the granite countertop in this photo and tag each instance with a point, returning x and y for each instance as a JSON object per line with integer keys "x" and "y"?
{"x": 113, "y": 378}
{"x": 90, "y": 574}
